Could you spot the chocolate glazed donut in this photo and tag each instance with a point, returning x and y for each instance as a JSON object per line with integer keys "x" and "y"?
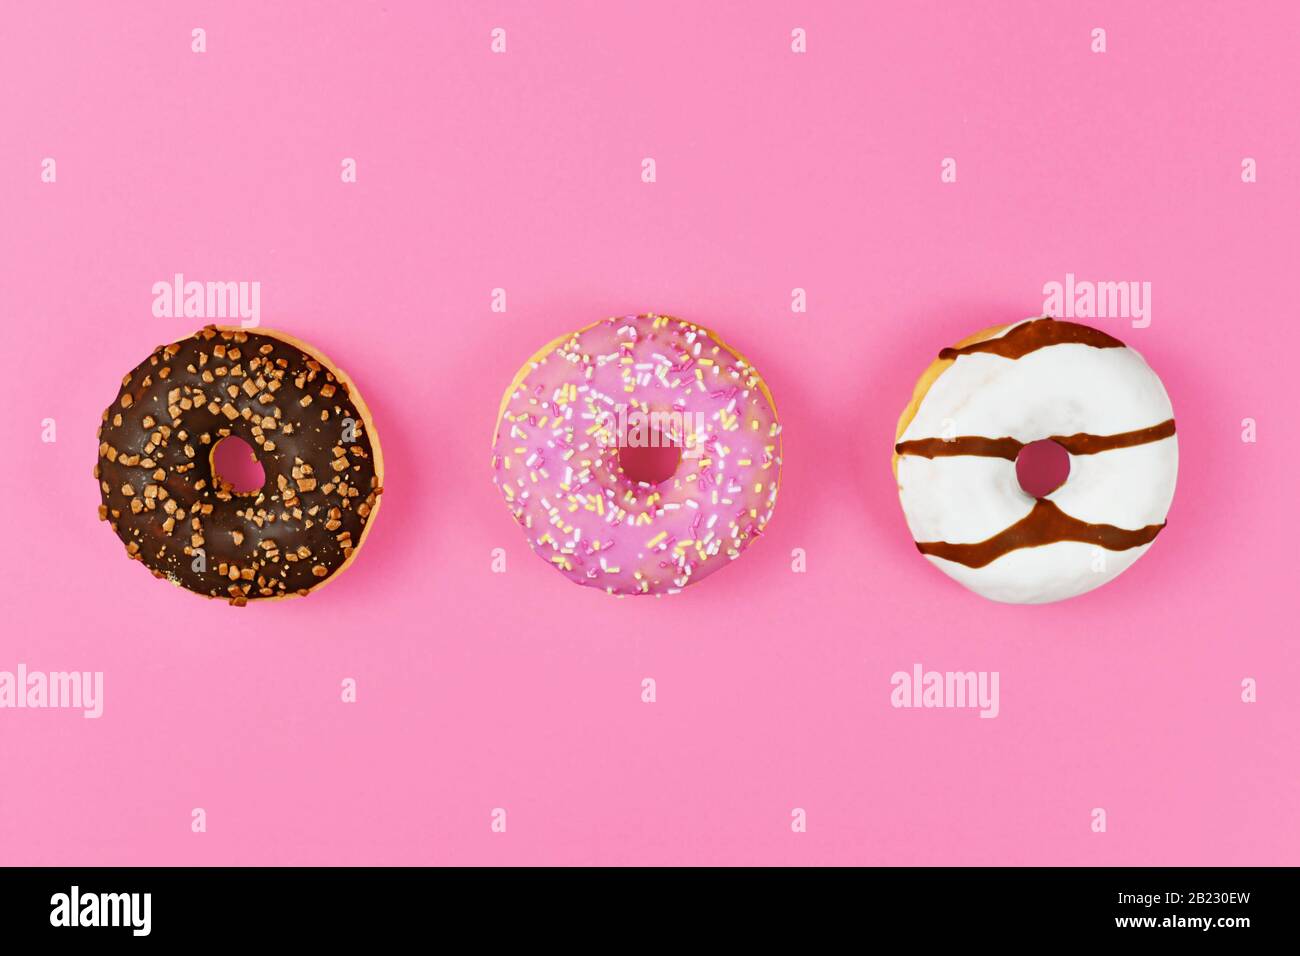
{"x": 311, "y": 432}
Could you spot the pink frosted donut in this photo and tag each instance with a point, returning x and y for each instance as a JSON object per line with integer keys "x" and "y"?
{"x": 561, "y": 446}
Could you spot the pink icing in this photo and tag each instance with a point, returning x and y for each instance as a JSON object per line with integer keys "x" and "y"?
{"x": 555, "y": 455}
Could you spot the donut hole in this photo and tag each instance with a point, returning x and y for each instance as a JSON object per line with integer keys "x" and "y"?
{"x": 234, "y": 463}
{"x": 652, "y": 462}
{"x": 1042, "y": 467}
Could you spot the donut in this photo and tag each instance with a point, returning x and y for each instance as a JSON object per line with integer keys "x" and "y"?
{"x": 560, "y": 446}
{"x": 309, "y": 429}
{"x": 987, "y": 397}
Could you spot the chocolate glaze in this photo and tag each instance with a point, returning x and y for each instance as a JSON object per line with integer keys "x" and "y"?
{"x": 157, "y": 485}
{"x": 1085, "y": 444}
{"x": 1009, "y": 448}
{"x": 1034, "y": 335}
{"x": 1045, "y": 524}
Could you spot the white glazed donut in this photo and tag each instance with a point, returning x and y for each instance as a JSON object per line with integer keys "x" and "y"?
{"x": 982, "y": 401}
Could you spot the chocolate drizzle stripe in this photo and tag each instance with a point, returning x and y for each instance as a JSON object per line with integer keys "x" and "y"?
{"x": 1009, "y": 448}
{"x": 1038, "y": 334}
{"x": 1045, "y": 524}
{"x": 1084, "y": 444}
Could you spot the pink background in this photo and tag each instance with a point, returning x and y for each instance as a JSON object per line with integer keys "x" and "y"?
{"x": 775, "y": 171}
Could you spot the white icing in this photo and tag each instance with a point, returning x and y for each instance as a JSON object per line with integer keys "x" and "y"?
{"x": 1043, "y": 575}
{"x": 1057, "y": 390}
{"x": 1102, "y": 488}
{"x": 960, "y": 499}
{"x": 1064, "y": 389}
